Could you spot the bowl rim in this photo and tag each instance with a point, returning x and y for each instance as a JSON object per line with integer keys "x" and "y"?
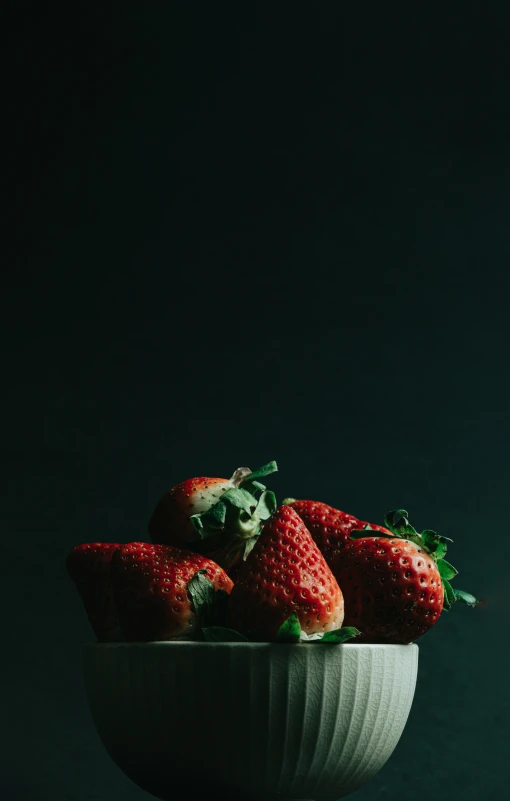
{"x": 254, "y": 645}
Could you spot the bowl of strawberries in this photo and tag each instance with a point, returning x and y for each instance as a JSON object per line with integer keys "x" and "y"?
{"x": 255, "y": 650}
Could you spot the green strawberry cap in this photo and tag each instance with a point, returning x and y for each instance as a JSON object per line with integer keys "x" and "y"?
{"x": 233, "y": 524}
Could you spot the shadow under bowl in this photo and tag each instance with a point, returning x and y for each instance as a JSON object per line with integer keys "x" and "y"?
{"x": 251, "y": 721}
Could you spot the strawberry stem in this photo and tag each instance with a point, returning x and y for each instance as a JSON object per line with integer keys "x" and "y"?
{"x": 265, "y": 470}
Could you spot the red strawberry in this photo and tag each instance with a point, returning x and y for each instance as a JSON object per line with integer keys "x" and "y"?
{"x": 331, "y": 528}
{"x": 89, "y": 567}
{"x": 285, "y": 573}
{"x": 151, "y": 590}
{"x": 214, "y": 516}
{"x": 395, "y": 584}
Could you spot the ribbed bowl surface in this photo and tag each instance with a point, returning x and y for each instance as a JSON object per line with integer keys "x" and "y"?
{"x": 249, "y": 721}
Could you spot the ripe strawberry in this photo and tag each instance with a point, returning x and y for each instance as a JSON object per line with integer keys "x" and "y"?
{"x": 217, "y": 517}
{"x": 89, "y": 567}
{"x": 152, "y": 593}
{"x": 285, "y": 573}
{"x": 395, "y": 585}
{"x": 331, "y": 528}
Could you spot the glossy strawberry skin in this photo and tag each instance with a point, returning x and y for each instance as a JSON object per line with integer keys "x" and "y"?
{"x": 89, "y": 567}
{"x": 170, "y": 524}
{"x": 150, "y": 588}
{"x": 285, "y": 573}
{"x": 329, "y": 527}
{"x": 392, "y": 589}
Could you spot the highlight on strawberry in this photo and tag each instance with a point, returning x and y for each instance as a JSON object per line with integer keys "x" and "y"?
{"x": 220, "y": 518}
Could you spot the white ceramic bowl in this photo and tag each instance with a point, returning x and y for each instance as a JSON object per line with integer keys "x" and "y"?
{"x": 250, "y": 721}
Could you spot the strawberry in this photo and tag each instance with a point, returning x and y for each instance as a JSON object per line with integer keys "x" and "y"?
{"x": 89, "y": 567}
{"x": 331, "y": 528}
{"x": 395, "y": 584}
{"x": 284, "y": 574}
{"x": 152, "y": 590}
{"x": 217, "y": 517}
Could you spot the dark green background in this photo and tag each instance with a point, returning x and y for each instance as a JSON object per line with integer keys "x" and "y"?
{"x": 240, "y": 232}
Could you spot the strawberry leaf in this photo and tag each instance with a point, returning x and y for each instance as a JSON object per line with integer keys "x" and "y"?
{"x": 266, "y": 505}
{"x": 197, "y": 524}
{"x": 265, "y": 470}
{"x": 357, "y": 534}
{"x": 290, "y": 631}
{"x": 240, "y": 498}
{"x": 449, "y": 595}
{"x": 222, "y": 634}
{"x": 214, "y": 517}
{"x": 210, "y": 604}
{"x": 466, "y": 598}
{"x": 433, "y": 535}
{"x": 218, "y": 514}
{"x": 396, "y": 520}
{"x": 434, "y": 543}
{"x": 249, "y": 545}
{"x": 340, "y": 635}
{"x": 256, "y": 485}
{"x": 446, "y": 570}
{"x": 398, "y": 523}
{"x": 201, "y": 590}
{"x": 440, "y": 550}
